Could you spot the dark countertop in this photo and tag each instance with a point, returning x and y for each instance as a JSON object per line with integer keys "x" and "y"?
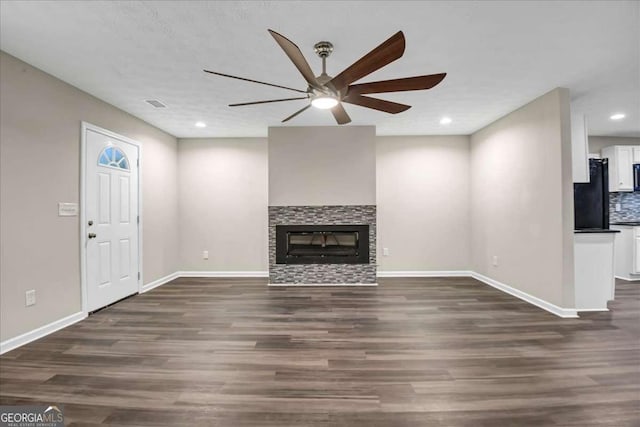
{"x": 596, "y": 230}
{"x": 629, "y": 223}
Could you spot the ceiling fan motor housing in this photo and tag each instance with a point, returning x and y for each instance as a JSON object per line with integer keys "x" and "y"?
{"x": 323, "y": 49}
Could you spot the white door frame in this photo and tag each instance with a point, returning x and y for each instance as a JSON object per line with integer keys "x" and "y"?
{"x": 83, "y": 208}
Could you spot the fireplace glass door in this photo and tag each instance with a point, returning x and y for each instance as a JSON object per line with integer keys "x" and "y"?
{"x": 322, "y": 244}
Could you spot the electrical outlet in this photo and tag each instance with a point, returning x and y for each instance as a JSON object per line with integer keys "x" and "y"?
{"x": 205, "y": 254}
{"x": 618, "y": 207}
{"x": 30, "y": 297}
{"x": 494, "y": 261}
{"x": 385, "y": 251}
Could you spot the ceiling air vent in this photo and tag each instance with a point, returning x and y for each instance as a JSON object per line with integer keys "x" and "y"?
{"x": 156, "y": 103}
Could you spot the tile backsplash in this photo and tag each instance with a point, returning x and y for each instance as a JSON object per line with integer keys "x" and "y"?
{"x": 629, "y": 204}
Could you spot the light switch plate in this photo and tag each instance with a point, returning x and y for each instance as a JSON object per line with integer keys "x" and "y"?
{"x": 385, "y": 251}
{"x": 67, "y": 209}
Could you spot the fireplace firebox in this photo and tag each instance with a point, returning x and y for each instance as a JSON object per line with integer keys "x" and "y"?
{"x": 322, "y": 244}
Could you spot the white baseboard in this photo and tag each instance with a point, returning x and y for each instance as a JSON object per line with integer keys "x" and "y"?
{"x": 316, "y": 285}
{"x": 40, "y": 332}
{"x": 159, "y": 282}
{"x": 428, "y": 273}
{"x": 242, "y": 274}
{"x": 558, "y": 311}
{"x": 579, "y": 310}
{"x": 628, "y": 279}
{"x": 545, "y": 305}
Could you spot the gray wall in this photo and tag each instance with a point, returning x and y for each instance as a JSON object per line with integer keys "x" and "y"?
{"x": 432, "y": 173}
{"x": 423, "y": 203}
{"x": 40, "y": 166}
{"x": 322, "y": 165}
{"x": 422, "y": 184}
{"x": 223, "y": 204}
{"x": 522, "y": 200}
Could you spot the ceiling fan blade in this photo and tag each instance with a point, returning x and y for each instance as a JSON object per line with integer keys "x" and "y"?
{"x": 340, "y": 114}
{"x": 296, "y": 56}
{"x": 382, "y": 55}
{"x": 398, "y": 85}
{"x": 268, "y": 101}
{"x": 376, "y": 104}
{"x": 296, "y": 113}
{"x": 254, "y": 81}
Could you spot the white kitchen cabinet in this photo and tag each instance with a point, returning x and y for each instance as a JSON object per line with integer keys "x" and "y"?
{"x": 620, "y": 167}
{"x": 627, "y": 252}
{"x": 635, "y": 268}
{"x": 636, "y": 154}
{"x": 594, "y": 270}
{"x": 580, "y": 148}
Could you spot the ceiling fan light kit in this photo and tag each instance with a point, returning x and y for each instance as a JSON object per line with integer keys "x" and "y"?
{"x": 324, "y": 102}
{"x": 329, "y": 93}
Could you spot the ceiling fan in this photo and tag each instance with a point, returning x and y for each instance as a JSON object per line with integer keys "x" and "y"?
{"x": 326, "y": 92}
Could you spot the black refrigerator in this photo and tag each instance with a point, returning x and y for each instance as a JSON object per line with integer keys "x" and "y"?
{"x": 591, "y": 200}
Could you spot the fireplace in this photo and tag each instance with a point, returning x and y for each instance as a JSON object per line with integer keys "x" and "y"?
{"x": 297, "y": 235}
{"x": 322, "y": 244}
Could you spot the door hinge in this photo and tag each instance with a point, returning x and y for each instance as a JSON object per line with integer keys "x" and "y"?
{"x": 138, "y": 275}
{"x": 137, "y": 162}
{"x": 138, "y": 219}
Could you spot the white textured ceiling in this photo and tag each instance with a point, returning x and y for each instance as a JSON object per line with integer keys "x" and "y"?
{"x": 498, "y": 56}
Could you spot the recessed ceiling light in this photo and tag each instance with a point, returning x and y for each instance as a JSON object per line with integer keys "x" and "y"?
{"x": 445, "y": 120}
{"x": 617, "y": 116}
{"x": 201, "y": 125}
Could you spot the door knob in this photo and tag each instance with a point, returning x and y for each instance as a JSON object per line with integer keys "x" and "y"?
{"x": 92, "y": 235}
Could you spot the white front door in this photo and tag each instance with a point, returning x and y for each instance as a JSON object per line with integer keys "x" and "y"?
{"x": 111, "y": 218}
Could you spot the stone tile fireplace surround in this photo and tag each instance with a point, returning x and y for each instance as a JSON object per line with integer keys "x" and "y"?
{"x": 310, "y": 274}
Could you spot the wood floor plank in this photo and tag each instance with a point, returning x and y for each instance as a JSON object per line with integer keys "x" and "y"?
{"x": 411, "y": 352}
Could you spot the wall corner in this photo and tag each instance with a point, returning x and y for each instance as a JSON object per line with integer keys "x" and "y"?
{"x": 568, "y": 273}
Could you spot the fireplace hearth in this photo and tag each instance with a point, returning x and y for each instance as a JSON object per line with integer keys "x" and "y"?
{"x": 322, "y": 244}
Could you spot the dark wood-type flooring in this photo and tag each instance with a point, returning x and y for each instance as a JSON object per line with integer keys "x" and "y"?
{"x": 424, "y": 352}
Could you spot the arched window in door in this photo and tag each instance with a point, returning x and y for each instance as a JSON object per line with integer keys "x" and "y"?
{"x": 113, "y": 157}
